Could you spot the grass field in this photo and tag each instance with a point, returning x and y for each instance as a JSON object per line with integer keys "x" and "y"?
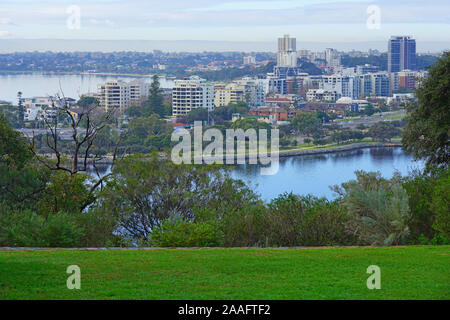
{"x": 406, "y": 273}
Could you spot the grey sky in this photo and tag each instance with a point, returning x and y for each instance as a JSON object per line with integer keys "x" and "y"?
{"x": 226, "y": 20}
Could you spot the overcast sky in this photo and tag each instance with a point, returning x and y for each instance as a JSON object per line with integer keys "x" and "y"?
{"x": 227, "y": 20}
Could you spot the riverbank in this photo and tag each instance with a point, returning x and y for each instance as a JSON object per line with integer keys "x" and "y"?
{"x": 316, "y": 150}
{"x": 336, "y": 149}
{"x": 77, "y": 73}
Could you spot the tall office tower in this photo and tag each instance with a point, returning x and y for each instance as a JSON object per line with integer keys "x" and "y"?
{"x": 287, "y": 52}
{"x": 401, "y": 54}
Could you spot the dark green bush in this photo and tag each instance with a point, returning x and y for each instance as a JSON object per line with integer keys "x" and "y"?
{"x": 28, "y": 229}
{"x": 176, "y": 233}
{"x": 429, "y": 203}
{"x": 307, "y": 221}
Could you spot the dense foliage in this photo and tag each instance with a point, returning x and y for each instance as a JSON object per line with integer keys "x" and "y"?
{"x": 427, "y": 132}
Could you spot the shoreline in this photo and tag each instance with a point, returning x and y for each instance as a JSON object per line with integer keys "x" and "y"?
{"x": 343, "y": 148}
{"x": 298, "y": 152}
{"x": 85, "y": 73}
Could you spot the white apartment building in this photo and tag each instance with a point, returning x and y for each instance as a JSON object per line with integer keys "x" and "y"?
{"x": 119, "y": 95}
{"x": 229, "y": 94}
{"x": 190, "y": 94}
{"x": 39, "y": 108}
{"x": 344, "y": 85}
{"x": 139, "y": 89}
{"x": 322, "y": 95}
{"x": 332, "y": 57}
{"x": 114, "y": 95}
{"x": 287, "y": 52}
{"x": 254, "y": 91}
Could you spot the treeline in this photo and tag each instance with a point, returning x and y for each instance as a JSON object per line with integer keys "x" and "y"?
{"x": 149, "y": 201}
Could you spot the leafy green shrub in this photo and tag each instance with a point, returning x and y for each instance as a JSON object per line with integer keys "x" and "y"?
{"x": 245, "y": 227}
{"x": 28, "y": 229}
{"x": 437, "y": 240}
{"x": 98, "y": 228}
{"x": 378, "y": 208}
{"x": 306, "y": 221}
{"x": 324, "y": 223}
{"x": 21, "y": 229}
{"x": 428, "y": 199}
{"x": 176, "y": 233}
{"x": 62, "y": 230}
{"x": 441, "y": 206}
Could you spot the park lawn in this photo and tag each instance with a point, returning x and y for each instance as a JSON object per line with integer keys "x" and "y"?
{"x": 416, "y": 272}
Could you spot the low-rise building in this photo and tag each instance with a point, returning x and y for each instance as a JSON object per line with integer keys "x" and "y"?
{"x": 270, "y": 119}
{"x": 44, "y": 108}
{"x": 322, "y": 95}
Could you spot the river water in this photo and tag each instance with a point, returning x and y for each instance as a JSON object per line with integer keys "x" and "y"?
{"x": 316, "y": 173}
{"x": 42, "y": 85}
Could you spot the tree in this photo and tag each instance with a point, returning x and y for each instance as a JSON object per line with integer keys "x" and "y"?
{"x": 383, "y": 131}
{"x": 156, "y": 98}
{"x": 21, "y": 115}
{"x": 86, "y": 102}
{"x": 426, "y": 135}
{"x": 197, "y": 114}
{"x": 80, "y": 155}
{"x": 307, "y": 123}
{"x": 223, "y": 114}
{"x": 22, "y": 180}
{"x": 147, "y": 191}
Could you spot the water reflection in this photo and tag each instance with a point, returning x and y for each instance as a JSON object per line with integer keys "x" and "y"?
{"x": 315, "y": 174}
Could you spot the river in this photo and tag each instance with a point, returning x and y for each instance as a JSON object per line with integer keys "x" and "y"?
{"x": 314, "y": 174}
{"x": 42, "y": 85}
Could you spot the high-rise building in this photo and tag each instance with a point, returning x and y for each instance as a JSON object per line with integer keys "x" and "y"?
{"x": 332, "y": 57}
{"x": 375, "y": 85}
{"x": 229, "y": 94}
{"x": 114, "y": 95}
{"x": 254, "y": 91}
{"x": 119, "y": 95}
{"x": 287, "y": 52}
{"x": 401, "y": 54}
{"x": 190, "y": 94}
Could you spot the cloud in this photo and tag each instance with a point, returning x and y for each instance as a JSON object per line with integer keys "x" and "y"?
{"x": 106, "y": 22}
{"x": 5, "y": 34}
{"x": 6, "y": 21}
{"x": 196, "y": 19}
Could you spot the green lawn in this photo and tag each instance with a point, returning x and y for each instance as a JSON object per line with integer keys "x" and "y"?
{"x": 406, "y": 273}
